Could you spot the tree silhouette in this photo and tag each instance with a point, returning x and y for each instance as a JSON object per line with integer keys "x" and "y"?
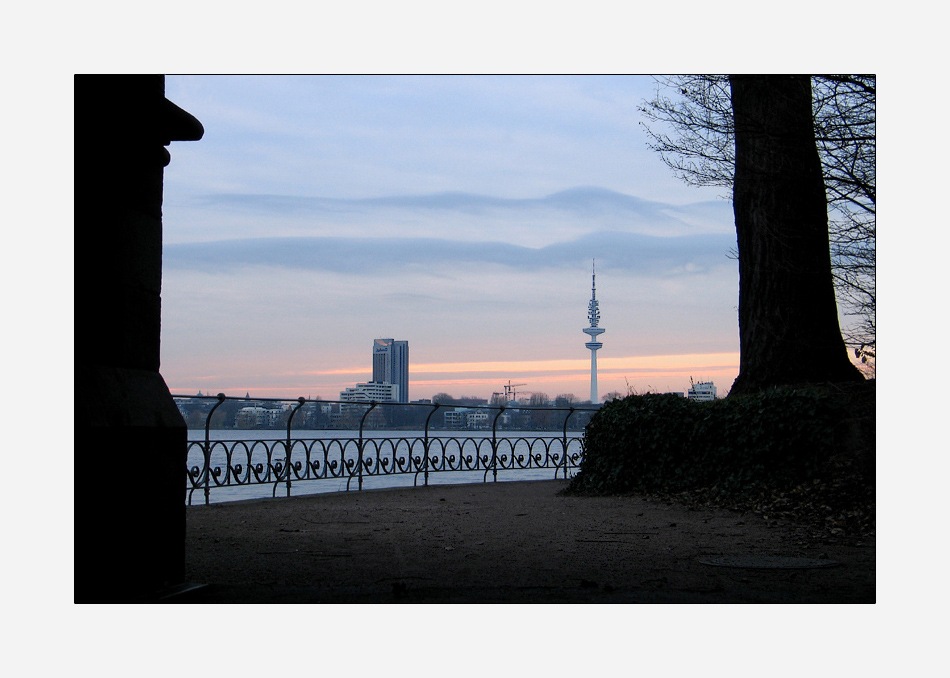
{"x": 690, "y": 124}
{"x": 788, "y": 318}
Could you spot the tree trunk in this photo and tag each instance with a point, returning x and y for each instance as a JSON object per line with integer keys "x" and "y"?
{"x": 788, "y": 317}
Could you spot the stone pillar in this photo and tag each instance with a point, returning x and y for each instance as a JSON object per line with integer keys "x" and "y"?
{"x": 130, "y": 437}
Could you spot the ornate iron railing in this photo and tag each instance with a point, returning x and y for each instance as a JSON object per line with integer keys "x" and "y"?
{"x": 293, "y": 459}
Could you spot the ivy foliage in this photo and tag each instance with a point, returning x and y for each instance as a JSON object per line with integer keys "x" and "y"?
{"x": 779, "y": 439}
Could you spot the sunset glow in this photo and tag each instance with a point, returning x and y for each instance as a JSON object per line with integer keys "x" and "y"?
{"x": 639, "y": 374}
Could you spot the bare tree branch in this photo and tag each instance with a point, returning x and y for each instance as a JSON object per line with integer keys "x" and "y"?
{"x": 690, "y": 125}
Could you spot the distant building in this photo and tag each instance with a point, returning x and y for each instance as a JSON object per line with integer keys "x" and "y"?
{"x": 256, "y": 416}
{"x": 701, "y": 391}
{"x": 391, "y": 365}
{"x": 380, "y": 392}
{"x": 361, "y": 393}
{"x": 466, "y": 418}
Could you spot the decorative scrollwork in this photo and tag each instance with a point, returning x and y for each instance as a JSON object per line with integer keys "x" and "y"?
{"x": 224, "y": 463}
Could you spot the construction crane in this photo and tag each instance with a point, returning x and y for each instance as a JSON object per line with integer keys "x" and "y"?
{"x": 510, "y": 393}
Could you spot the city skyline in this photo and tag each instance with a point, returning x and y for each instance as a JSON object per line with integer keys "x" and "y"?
{"x": 676, "y": 369}
{"x": 390, "y": 364}
{"x": 460, "y": 213}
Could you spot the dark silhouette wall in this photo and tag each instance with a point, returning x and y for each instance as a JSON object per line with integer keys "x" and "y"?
{"x": 130, "y": 437}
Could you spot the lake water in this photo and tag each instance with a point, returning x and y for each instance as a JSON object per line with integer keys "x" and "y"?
{"x": 253, "y": 456}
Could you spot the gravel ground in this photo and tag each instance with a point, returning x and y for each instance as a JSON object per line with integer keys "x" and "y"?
{"x": 510, "y": 542}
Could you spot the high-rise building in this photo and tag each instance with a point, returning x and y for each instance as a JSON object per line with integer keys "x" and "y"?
{"x": 593, "y": 316}
{"x": 391, "y": 365}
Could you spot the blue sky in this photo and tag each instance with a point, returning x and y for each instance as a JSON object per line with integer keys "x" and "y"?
{"x": 461, "y": 213}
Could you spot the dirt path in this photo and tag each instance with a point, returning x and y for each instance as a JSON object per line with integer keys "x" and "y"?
{"x": 516, "y": 542}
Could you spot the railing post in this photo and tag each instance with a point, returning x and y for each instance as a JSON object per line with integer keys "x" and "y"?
{"x": 207, "y": 448}
{"x": 494, "y": 444}
{"x": 560, "y": 468}
{"x": 300, "y": 403}
{"x": 564, "y": 443}
{"x": 425, "y": 443}
{"x": 372, "y": 406}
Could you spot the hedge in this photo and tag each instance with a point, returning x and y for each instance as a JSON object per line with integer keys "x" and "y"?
{"x": 662, "y": 443}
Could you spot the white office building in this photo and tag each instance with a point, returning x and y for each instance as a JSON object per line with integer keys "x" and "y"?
{"x": 379, "y": 392}
{"x": 702, "y": 391}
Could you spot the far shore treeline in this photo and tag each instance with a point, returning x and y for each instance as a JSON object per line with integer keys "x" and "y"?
{"x": 466, "y": 413}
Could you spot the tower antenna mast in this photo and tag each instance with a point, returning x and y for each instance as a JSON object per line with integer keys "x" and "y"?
{"x": 593, "y": 317}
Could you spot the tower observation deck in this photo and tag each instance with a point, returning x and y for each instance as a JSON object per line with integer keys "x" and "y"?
{"x": 593, "y": 316}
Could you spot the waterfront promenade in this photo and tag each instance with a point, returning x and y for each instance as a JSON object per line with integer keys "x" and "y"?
{"x": 509, "y": 542}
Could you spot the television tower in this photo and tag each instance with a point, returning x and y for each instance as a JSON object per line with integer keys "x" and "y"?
{"x": 593, "y": 316}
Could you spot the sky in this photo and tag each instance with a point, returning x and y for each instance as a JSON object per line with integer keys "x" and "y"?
{"x": 463, "y": 214}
